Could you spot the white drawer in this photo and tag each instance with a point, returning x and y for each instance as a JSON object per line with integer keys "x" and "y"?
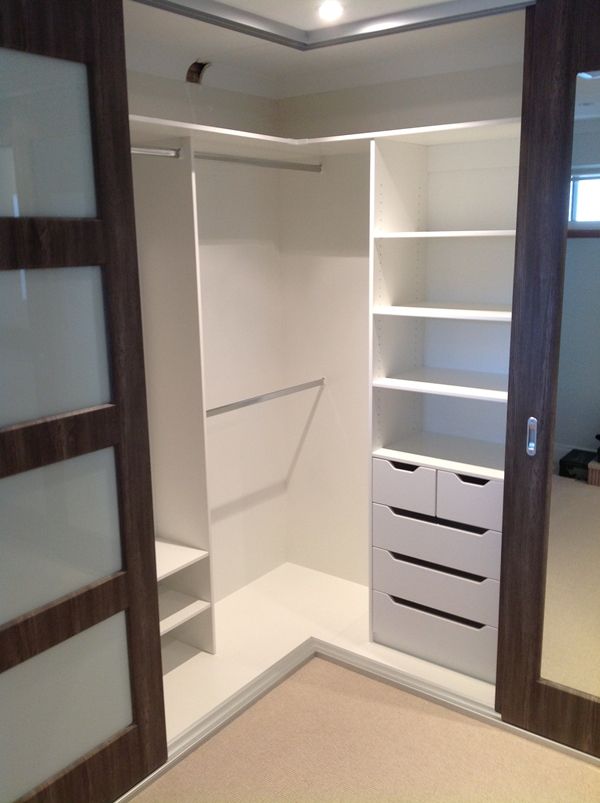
{"x": 469, "y": 500}
{"x": 399, "y": 485}
{"x": 478, "y": 553}
{"x": 471, "y": 650}
{"x": 472, "y": 599}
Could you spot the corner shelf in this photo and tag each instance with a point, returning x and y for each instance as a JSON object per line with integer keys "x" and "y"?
{"x": 176, "y": 608}
{"x": 460, "y": 312}
{"x": 445, "y": 382}
{"x": 171, "y": 558}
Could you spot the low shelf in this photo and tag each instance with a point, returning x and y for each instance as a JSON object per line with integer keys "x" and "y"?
{"x": 449, "y": 453}
{"x": 176, "y": 608}
{"x": 171, "y": 558}
{"x": 399, "y": 235}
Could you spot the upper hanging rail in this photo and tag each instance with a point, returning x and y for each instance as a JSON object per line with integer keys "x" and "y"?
{"x": 279, "y": 164}
{"x": 276, "y": 394}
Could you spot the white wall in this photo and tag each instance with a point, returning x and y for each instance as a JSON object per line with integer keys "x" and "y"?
{"x": 325, "y": 242}
{"x": 447, "y": 98}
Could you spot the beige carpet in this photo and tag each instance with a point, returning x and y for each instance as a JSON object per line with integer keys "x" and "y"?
{"x": 330, "y": 734}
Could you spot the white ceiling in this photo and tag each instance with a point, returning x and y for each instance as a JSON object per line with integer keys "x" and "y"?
{"x": 304, "y": 13}
{"x": 161, "y": 43}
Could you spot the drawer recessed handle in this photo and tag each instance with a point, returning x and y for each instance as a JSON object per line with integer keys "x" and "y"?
{"x": 434, "y": 612}
{"x": 472, "y": 480}
{"x": 455, "y": 525}
{"x": 426, "y": 564}
{"x": 403, "y": 466}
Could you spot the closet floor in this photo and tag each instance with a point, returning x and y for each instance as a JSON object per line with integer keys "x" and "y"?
{"x": 265, "y": 629}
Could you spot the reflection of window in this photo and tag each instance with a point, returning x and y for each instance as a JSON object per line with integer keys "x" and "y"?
{"x": 585, "y": 198}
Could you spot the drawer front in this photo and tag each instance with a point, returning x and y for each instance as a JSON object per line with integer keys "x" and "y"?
{"x": 442, "y": 641}
{"x": 468, "y": 502}
{"x": 478, "y": 553}
{"x": 395, "y": 484}
{"x": 471, "y": 599}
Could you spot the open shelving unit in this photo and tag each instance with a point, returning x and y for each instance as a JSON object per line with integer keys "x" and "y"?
{"x": 442, "y": 253}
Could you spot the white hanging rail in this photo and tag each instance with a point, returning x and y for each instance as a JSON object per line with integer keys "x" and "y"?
{"x": 279, "y": 164}
{"x": 276, "y": 394}
{"x": 169, "y": 153}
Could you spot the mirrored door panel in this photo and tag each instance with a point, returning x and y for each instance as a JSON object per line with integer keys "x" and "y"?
{"x": 571, "y": 637}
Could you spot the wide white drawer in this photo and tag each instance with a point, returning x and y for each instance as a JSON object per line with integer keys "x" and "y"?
{"x": 471, "y": 650}
{"x": 475, "y": 552}
{"x": 399, "y": 485}
{"x": 474, "y": 599}
{"x": 469, "y": 500}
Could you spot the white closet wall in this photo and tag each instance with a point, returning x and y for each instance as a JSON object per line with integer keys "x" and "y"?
{"x": 284, "y": 274}
{"x": 325, "y": 246}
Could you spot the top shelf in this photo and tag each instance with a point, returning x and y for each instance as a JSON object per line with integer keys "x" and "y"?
{"x": 171, "y": 558}
{"x": 400, "y": 235}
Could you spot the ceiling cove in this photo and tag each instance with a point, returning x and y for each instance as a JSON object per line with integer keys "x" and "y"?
{"x": 226, "y": 16}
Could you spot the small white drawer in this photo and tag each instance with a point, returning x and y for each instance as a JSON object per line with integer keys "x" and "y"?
{"x": 403, "y": 486}
{"x": 474, "y": 599}
{"x": 470, "y": 500}
{"x": 467, "y": 649}
{"x": 475, "y": 552}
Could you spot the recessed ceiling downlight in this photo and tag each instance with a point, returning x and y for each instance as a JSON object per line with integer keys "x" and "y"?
{"x": 331, "y": 10}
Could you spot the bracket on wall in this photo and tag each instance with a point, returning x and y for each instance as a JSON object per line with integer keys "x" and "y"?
{"x": 425, "y": 16}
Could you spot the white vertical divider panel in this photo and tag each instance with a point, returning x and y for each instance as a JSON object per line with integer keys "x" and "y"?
{"x": 376, "y": 290}
{"x": 165, "y": 206}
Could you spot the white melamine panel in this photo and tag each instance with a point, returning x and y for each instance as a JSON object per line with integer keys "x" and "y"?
{"x": 462, "y": 187}
{"x": 46, "y": 161}
{"x": 52, "y": 342}
{"x": 403, "y": 344}
{"x": 475, "y": 552}
{"x": 398, "y": 485}
{"x": 476, "y": 272}
{"x": 171, "y": 558}
{"x": 182, "y": 596}
{"x": 61, "y": 704}
{"x": 444, "y": 382}
{"x": 175, "y": 608}
{"x": 59, "y": 531}
{"x": 468, "y": 649}
{"x": 243, "y": 333}
{"x": 165, "y": 221}
{"x": 474, "y": 312}
{"x": 324, "y": 251}
{"x": 458, "y": 499}
{"x": 476, "y": 600}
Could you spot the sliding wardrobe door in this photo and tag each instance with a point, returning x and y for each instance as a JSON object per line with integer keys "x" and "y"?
{"x": 80, "y": 683}
{"x": 549, "y": 651}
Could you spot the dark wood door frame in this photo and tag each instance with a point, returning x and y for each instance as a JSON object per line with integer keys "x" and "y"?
{"x": 91, "y": 32}
{"x": 562, "y": 39}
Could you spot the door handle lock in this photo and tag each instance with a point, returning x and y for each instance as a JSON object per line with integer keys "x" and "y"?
{"x": 532, "y": 431}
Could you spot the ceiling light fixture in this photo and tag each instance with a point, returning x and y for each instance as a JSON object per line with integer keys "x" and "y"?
{"x": 331, "y": 10}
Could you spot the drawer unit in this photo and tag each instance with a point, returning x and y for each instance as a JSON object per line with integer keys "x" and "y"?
{"x": 434, "y": 637}
{"x": 469, "y": 500}
{"x": 464, "y": 596}
{"x": 403, "y": 486}
{"x": 475, "y": 552}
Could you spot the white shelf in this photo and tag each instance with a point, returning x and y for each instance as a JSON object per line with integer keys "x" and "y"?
{"x": 403, "y": 235}
{"x": 171, "y": 558}
{"x": 174, "y": 653}
{"x": 445, "y": 382}
{"x": 461, "y": 455}
{"x": 459, "y": 312}
{"x": 176, "y": 608}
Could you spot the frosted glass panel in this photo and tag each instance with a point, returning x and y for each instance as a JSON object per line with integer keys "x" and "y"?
{"x": 52, "y": 343}
{"x": 61, "y": 704}
{"x": 46, "y": 162}
{"x": 59, "y": 531}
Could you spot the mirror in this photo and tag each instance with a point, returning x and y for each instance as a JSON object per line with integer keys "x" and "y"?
{"x": 571, "y": 634}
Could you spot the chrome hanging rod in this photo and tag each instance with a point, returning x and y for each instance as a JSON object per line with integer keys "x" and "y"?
{"x": 280, "y": 164}
{"x": 169, "y": 153}
{"x": 276, "y": 394}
